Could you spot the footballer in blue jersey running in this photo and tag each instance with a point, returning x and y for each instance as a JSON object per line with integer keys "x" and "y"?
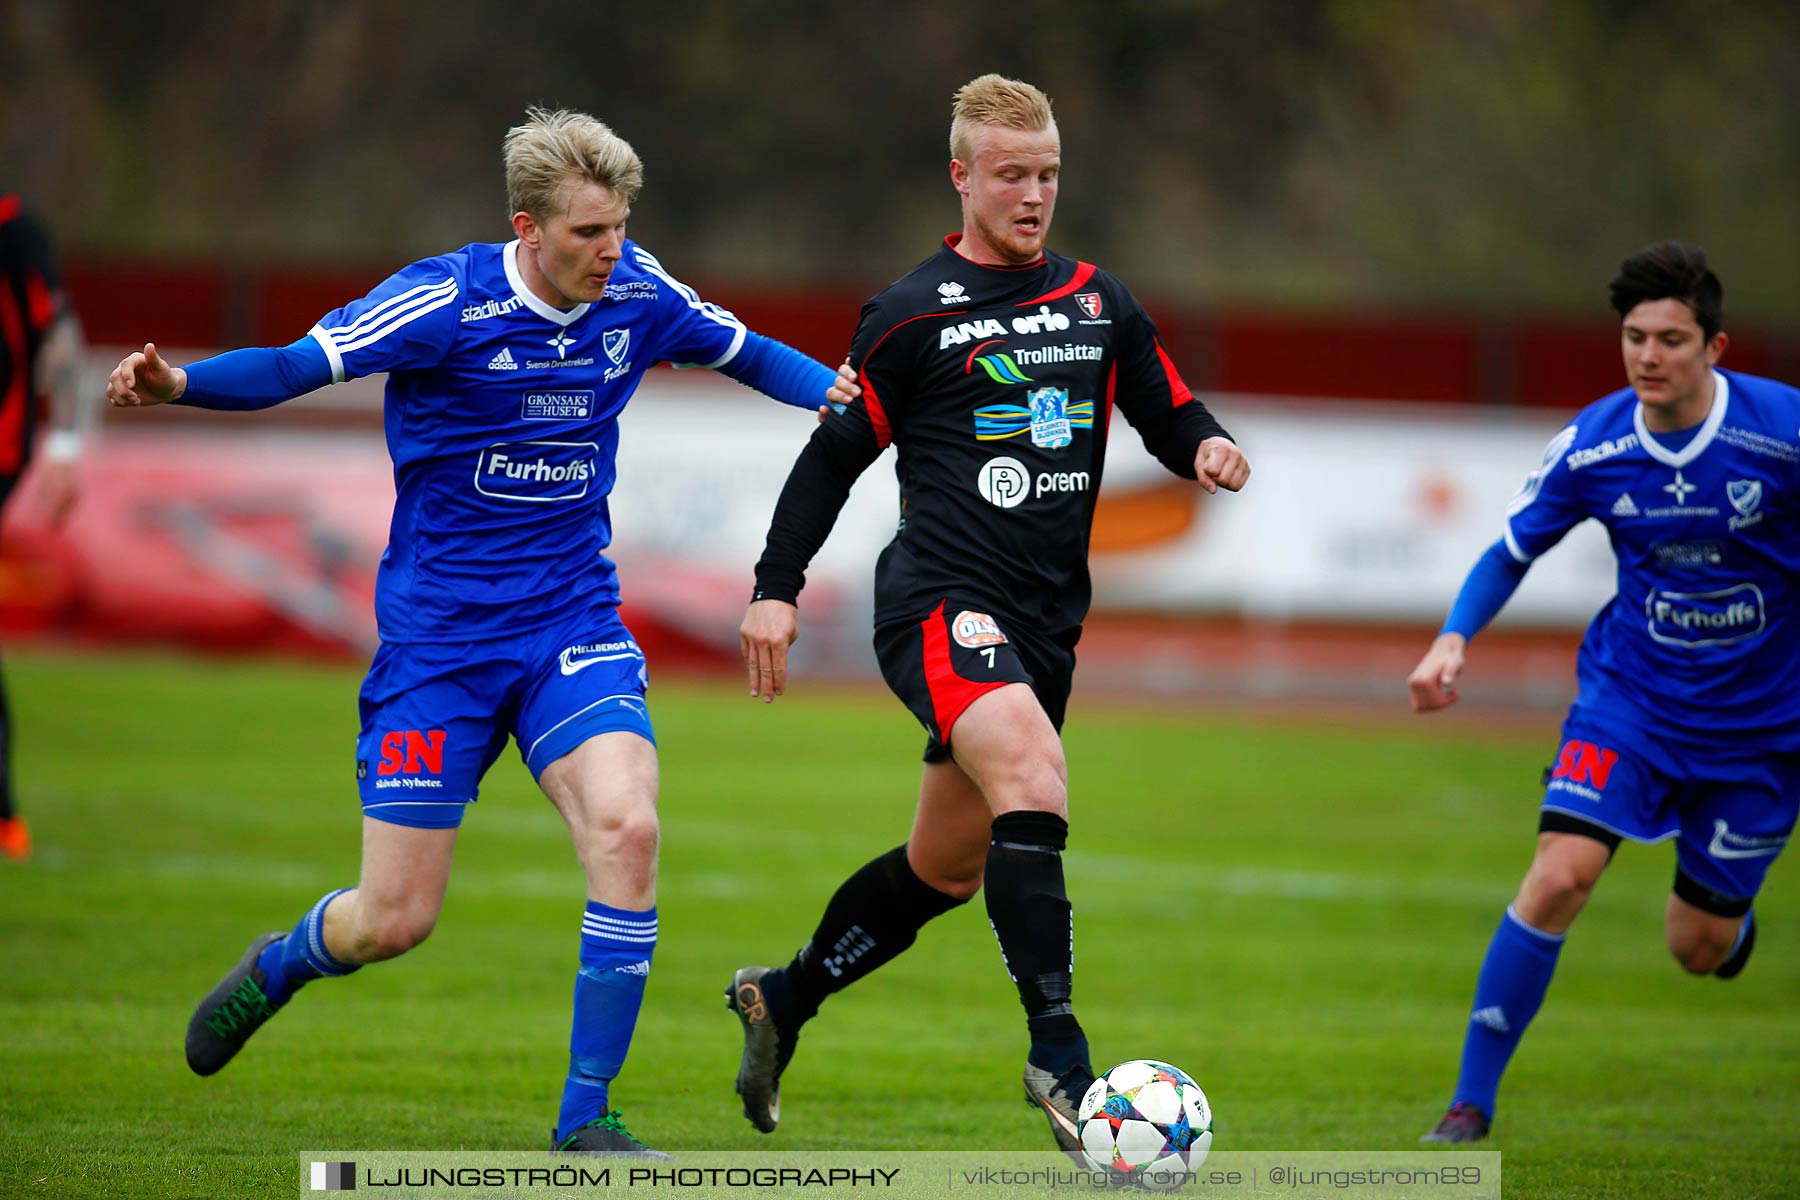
{"x": 508, "y": 366}
{"x": 1686, "y": 725}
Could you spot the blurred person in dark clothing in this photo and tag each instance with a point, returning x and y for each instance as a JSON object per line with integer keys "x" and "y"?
{"x": 40, "y": 341}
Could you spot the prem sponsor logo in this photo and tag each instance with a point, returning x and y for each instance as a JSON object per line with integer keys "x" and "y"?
{"x": 975, "y": 630}
{"x": 561, "y": 343}
{"x": 578, "y": 658}
{"x": 1006, "y": 483}
{"x": 557, "y": 406}
{"x": 1706, "y": 618}
{"x": 536, "y": 472}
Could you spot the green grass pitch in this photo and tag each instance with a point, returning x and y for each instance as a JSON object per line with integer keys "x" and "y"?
{"x": 1291, "y": 909}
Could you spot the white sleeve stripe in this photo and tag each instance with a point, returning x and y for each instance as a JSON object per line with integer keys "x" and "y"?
{"x": 704, "y": 308}
{"x": 424, "y": 303}
{"x": 332, "y": 356}
{"x": 381, "y": 311}
{"x": 1513, "y": 548}
{"x": 375, "y": 335}
{"x": 737, "y": 343}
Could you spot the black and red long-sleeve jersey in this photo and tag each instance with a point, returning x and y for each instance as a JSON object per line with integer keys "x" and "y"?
{"x": 31, "y": 298}
{"x": 997, "y": 385}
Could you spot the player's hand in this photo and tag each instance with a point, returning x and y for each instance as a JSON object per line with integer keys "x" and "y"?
{"x": 1220, "y": 464}
{"x": 843, "y": 390}
{"x": 144, "y": 379}
{"x": 1433, "y": 681}
{"x": 769, "y": 628}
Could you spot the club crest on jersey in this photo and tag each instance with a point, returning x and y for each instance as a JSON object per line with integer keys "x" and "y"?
{"x": 616, "y": 342}
{"x": 1050, "y": 426}
{"x": 1047, "y": 415}
{"x": 975, "y": 630}
{"x": 1089, "y": 303}
{"x": 1745, "y": 495}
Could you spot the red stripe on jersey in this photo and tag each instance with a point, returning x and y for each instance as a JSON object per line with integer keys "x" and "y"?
{"x": 1083, "y": 273}
{"x": 1178, "y": 391}
{"x": 878, "y": 420}
{"x": 878, "y": 417}
{"x": 1112, "y": 379}
{"x": 951, "y": 694}
{"x": 9, "y": 208}
{"x": 18, "y": 383}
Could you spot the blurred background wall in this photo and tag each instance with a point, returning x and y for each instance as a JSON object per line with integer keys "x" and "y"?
{"x": 1376, "y": 232}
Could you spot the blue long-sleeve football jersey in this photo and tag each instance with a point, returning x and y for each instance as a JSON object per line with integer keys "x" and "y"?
{"x": 1702, "y": 641}
{"x": 502, "y": 420}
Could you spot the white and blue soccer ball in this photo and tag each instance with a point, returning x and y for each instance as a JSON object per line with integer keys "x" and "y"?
{"x": 1146, "y": 1123}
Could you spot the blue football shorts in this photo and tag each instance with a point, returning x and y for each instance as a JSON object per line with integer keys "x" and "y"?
{"x": 436, "y": 715}
{"x": 1730, "y": 806}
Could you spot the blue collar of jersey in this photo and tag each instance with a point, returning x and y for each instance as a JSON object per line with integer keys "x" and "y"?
{"x": 509, "y": 256}
{"x": 1703, "y": 439}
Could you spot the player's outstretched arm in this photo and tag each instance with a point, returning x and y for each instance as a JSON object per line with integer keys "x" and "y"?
{"x": 1490, "y": 584}
{"x": 1433, "y": 682}
{"x": 143, "y": 378}
{"x": 1218, "y": 463}
{"x": 769, "y": 628}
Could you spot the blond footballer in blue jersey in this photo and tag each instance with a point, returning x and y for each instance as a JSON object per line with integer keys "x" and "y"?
{"x": 508, "y": 365}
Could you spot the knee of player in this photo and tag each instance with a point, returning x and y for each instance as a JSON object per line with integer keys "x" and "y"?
{"x": 392, "y": 934}
{"x": 1553, "y": 888}
{"x": 633, "y": 834}
{"x": 1036, "y": 780}
{"x": 1698, "y": 951}
{"x": 958, "y": 884}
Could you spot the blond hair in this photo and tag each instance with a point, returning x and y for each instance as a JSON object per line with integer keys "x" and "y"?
{"x": 553, "y": 150}
{"x": 995, "y": 100}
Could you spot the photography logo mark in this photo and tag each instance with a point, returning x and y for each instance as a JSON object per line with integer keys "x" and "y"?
{"x": 334, "y": 1177}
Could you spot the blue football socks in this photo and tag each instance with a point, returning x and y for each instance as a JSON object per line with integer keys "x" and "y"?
{"x": 301, "y": 956}
{"x": 1510, "y": 990}
{"x": 616, "y": 948}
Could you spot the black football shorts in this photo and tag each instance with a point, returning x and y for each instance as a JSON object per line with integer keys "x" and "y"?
{"x": 959, "y": 653}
